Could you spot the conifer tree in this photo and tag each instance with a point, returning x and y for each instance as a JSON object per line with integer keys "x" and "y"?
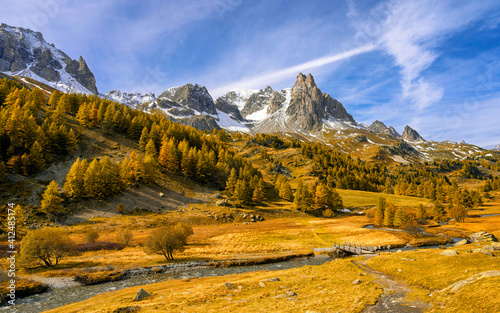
{"x": 51, "y": 203}
{"x": 258, "y": 192}
{"x": 399, "y": 218}
{"x": 421, "y": 213}
{"x": 379, "y": 212}
{"x": 231, "y": 181}
{"x": 143, "y": 141}
{"x": 286, "y": 191}
{"x": 321, "y": 197}
{"x": 389, "y": 214}
{"x": 93, "y": 182}
{"x": 36, "y": 161}
{"x": 74, "y": 185}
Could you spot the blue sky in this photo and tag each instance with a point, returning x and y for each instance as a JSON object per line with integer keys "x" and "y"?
{"x": 431, "y": 64}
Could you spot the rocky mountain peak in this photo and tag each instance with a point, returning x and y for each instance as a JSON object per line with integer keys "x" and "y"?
{"x": 409, "y": 134}
{"x": 380, "y": 128}
{"x": 24, "y": 52}
{"x": 189, "y": 97}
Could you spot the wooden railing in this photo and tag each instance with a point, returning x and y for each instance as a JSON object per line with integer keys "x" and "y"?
{"x": 356, "y": 248}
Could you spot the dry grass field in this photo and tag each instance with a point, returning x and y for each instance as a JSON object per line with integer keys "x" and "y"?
{"x": 314, "y": 288}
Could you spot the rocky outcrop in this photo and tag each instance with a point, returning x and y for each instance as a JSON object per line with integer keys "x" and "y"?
{"x": 379, "y": 128}
{"x": 409, "y": 134}
{"x": 223, "y": 105}
{"x": 309, "y": 107}
{"x": 24, "y": 52}
{"x": 80, "y": 71}
{"x": 201, "y": 122}
{"x": 195, "y": 97}
{"x": 259, "y": 101}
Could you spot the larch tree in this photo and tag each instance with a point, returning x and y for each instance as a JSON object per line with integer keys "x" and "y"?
{"x": 51, "y": 203}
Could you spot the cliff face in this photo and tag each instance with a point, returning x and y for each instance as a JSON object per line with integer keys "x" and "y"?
{"x": 24, "y": 52}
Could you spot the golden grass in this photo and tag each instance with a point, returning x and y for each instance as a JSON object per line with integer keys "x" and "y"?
{"x": 318, "y": 288}
{"x": 357, "y": 198}
{"x": 428, "y": 270}
{"x": 433, "y": 271}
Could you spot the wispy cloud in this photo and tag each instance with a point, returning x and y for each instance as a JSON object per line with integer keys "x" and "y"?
{"x": 410, "y": 31}
{"x": 276, "y": 76}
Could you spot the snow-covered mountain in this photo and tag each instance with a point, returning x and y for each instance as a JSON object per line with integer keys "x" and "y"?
{"x": 132, "y": 99}
{"x": 24, "y": 52}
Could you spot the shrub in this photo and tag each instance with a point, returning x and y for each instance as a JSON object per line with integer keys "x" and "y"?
{"x": 91, "y": 235}
{"x": 46, "y": 247}
{"x": 166, "y": 240}
{"x": 124, "y": 237}
{"x": 99, "y": 277}
{"x": 328, "y": 213}
{"x": 120, "y": 208}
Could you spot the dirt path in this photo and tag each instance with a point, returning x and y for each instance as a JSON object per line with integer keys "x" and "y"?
{"x": 395, "y": 296}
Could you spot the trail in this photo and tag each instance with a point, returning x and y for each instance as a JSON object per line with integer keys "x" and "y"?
{"x": 395, "y": 296}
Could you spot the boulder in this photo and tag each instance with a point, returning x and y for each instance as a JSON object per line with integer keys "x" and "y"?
{"x": 161, "y": 194}
{"x": 141, "y": 294}
{"x": 222, "y": 203}
{"x": 489, "y": 248}
{"x": 461, "y": 242}
{"x": 449, "y": 253}
{"x": 483, "y": 236}
{"x": 356, "y": 282}
{"x": 291, "y": 294}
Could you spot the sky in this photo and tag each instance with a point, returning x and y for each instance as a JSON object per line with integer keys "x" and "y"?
{"x": 433, "y": 65}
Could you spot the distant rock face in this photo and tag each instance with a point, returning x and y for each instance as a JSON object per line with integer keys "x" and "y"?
{"x": 132, "y": 99}
{"x": 223, "y": 105}
{"x": 379, "y": 128}
{"x": 192, "y": 96}
{"x": 201, "y": 122}
{"x": 259, "y": 101}
{"x": 24, "y": 52}
{"x": 410, "y": 134}
{"x": 497, "y": 147}
{"x": 309, "y": 107}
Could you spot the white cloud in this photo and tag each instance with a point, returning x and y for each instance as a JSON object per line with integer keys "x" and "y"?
{"x": 276, "y": 76}
{"x": 411, "y": 31}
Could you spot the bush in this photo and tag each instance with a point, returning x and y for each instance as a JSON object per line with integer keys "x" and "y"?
{"x": 328, "y": 213}
{"x": 166, "y": 240}
{"x": 24, "y": 288}
{"x": 99, "y": 277}
{"x": 124, "y": 237}
{"x": 91, "y": 235}
{"x": 96, "y": 246}
{"x": 120, "y": 208}
{"x": 46, "y": 247}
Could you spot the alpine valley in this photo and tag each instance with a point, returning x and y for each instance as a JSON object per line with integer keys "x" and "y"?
{"x": 302, "y": 112}
{"x": 257, "y": 201}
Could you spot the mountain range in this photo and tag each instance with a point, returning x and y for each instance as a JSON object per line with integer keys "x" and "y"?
{"x": 303, "y": 110}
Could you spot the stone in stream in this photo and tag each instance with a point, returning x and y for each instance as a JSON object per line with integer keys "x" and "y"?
{"x": 449, "y": 253}
{"x": 141, "y": 294}
{"x": 461, "y": 242}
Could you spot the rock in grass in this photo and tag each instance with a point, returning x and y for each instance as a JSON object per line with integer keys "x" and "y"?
{"x": 483, "y": 236}
{"x": 488, "y": 248}
{"x": 141, "y": 294}
{"x": 461, "y": 243}
{"x": 449, "y": 253}
{"x": 271, "y": 279}
{"x": 356, "y": 282}
{"x": 291, "y": 294}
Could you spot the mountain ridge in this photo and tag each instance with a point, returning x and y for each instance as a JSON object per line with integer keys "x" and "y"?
{"x": 24, "y": 52}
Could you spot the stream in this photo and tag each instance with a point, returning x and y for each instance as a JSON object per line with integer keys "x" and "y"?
{"x": 55, "y": 298}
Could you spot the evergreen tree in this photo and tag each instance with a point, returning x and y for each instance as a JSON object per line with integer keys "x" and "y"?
{"x": 421, "y": 213}
{"x": 143, "y": 141}
{"x": 379, "y": 212}
{"x": 93, "y": 182}
{"x": 286, "y": 191}
{"x": 258, "y": 192}
{"x": 51, "y": 203}
{"x": 389, "y": 214}
{"x": 232, "y": 180}
{"x": 438, "y": 210}
{"x": 321, "y": 197}
{"x": 399, "y": 218}
{"x": 74, "y": 185}
{"x": 36, "y": 161}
